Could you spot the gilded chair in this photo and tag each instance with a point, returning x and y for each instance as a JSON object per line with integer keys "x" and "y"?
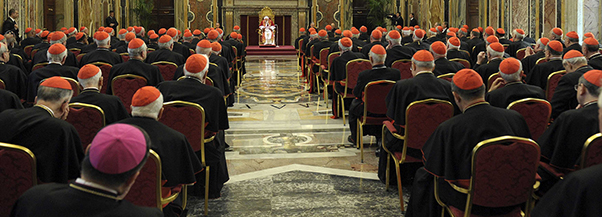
{"x": 326, "y": 75}
{"x": 87, "y": 119}
{"x": 79, "y": 57}
{"x": 447, "y": 77}
{"x": 536, "y": 113}
{"x": 503, "y": 174}
{"x": 492, "y": 79}
{"x": 125, "y": 56}
{"x": 552, "y": 83}
{"x": 75, "y": 87}
{"x": 405, "y": 67}
{"x": 189, "y": 119}
{"x": 422, "y": 118}
{"x": 105, "y": 69}
{"x": 520, "y": 53}
{"x": 124, "y": 87}
{"x": 39, "y": 66}
{"x": 167, "y": 69}
{"x": 75, "y": 51}
{"x": 375, "y": 108}
{"x": 592, "y": 151}
{"x": 2, "y": 85}
{"x": 353, "y": 69}
{"x": 541, "y": 60}
{"x": 28, "y": 49}
{"x": 17, "y": 174}
{"x": 33, "y": 53}
{"x": 322, "y": 64}
{"x": 464, "y": 62}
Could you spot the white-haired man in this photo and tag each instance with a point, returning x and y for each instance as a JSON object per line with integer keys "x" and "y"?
{"x": 556, "y": 34}
{"x": 481, "y": 46}
{"x": 489, "y": 62}
{"x": 395, "y": 51}
{"x": 571, "y": 41}
{"x": 379, "y": 71}
{"x": 338, "y": 69}
{"x": 418, "y": 44}
{"x": 540, "y": 72}
{"x": 178, "y": 161}
{"x": 57, "y": 54}
{"x": 90, "y": 78}
{"x": 442, "y": 64}
{"x": 513, "y": 89}
{"x": 55, "y": 38}
{"x": 54, "y": 142}
{"x": 375, "y": 38}
{"x": 534, "y": 54}
{"x": 102, "y": 52}
{"x": 15, "y": 79}
{"x": 136, "y": 66}
{"x": 453, "y": 49}
{"x": 165, "y": 52}
{"x": 193, "y": 89}
{"x": 564, "y": 98}
{"x": 517, "y": 42}
{"x": 591, "y": 50}
{"x": 219, "y": 78}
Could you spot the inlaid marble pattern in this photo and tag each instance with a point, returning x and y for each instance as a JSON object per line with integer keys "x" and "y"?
{"x": 494, "y": 12}
{"x": 591, "y": 17}
{"x": 549, "y": 16}
{"x": 520, "y": 15}
{"x": 328, "y": 8}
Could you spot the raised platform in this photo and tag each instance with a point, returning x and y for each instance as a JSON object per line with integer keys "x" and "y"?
{"x": 261, "y": 51}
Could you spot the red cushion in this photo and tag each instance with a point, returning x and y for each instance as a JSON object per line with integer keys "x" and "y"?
{"x": 144, "y": 190}
{"x": 87, "y": 122}
{"x": 16, "y": 176}
{"x": 515, "y": 213}
{"x": 409, "y": 159}
{"x": 373, "y": 120}
{"x": 105, "y": 69}
{"x": 594, "y": 154}
{"x": 552, "y": 84}
{"x": 167, "y": 71}
{"x": 125, "y": 88}
{"x": 422, "y": 121}
{"x": 536, "y": 115}
{"x": 404, "y": 68}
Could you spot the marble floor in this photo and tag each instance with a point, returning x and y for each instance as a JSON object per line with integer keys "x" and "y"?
{"x": 289, "y": 157}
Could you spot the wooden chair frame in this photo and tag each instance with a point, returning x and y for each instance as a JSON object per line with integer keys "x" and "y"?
{"x": 318, "y": 75}
{"x": 405, "y": 147}
{"x": 360, "y": 122}
{"x": 548, "y": 82}
{"x": 326, "y": 81}
{"x": 470, "y": 191}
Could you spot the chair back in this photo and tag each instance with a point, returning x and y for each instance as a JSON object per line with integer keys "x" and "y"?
{"x": 125, "y": 56}
{"x": 503, "y": 172}
{"x": 146, "y": 191}
{"x": 189, "y": 119}
{"x": 447, "y": 77}
{"x": 192, "y": 52}
{"x": 28, "y": 50}
{"x": 39, "y": 66}
{"x": 75, "y": 51}
{"x": 34, "y": 52}
{"x": 374, "y": 97}
{"x": 553, "y": 80}
{"x": 353, "y": 69}
{"x": 520, "y": 53}
{"x": 17, "y": 174}
{"x": 422, "y": 118}
{"x": 492, "y": 78}
{"x": 209, "y": 82}
{"x": 331, "y": 58}
{"x": 19, "y": 57}
{"x": 149, "y": 50}
{"x": 167, "y": 69}
{"x": 74, "y": 85}
{"x": 87, "y": 119}
{"x": 105, "y": 68}
{"x": 311, "y": 52}
{"x": 464, "y": 62}
{"x": 79, "y": 57}
{"x": 124, "y": 87}
{"x": 536, "y": 113}
{"x": 592, "y": 151}
{"x": 300, "y": 45}
{"x": 541, "y": 60}
{"x": 2, "y": 85}
{"x": 324, "y": 56}
{"x": 405, "y": 67}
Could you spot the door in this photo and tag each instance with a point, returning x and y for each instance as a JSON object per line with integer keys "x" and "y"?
{"x": 360, "y": 14}
{"x": 472, "y": 13}
{"x": 164, "y": 13}
{"x": 49, "y": 15}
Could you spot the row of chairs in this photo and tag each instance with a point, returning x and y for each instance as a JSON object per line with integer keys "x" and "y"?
{"x": 18, "y": 172}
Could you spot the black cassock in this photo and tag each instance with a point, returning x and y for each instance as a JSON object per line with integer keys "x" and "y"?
{"x": 486, "y": 70}
{"x": 398, "y": 53}
{"x": 216, "y": 75}
{"x": 444, "y": 66}
{"x": 181, "y": 49}
{"x": 595, "y": 61}
{"x": 46, "y": 72}
{"x": 212, "y": 100}
{"x": 44, "y": 45}
{"x": 338, "y": 68}
{"x": 222, "y": 63}
{"x": 76, "y": 200}
{"x": 334, "y": 47}
{"x": 419, "y": 45}
{"x": 404, "y": 92}
{"x": 54, "y": 142}
{"x": 179, "y": 163}
{"x": 575, "y": 46}
{"x": 9, "y": 100}
{"x": 565, "y": 96}
{"x": 101, "y": 55}
{"x": 529, "y": 62}
{"x": 515, "y": 46}
{"x": 296, "y": 44}
{"x": 136, "y": 67}
{"x": 458, "y": 54}
{"x": 502, "y": 97}
{"x": 111, "y": 105}
{"x": 562, "y": 142}
{"x": 539, "y": 74}
{"x": 357, "y": 42}
{"x": 366, "y": 48}
{"x": 577, "y": 195}
{"x": 15, "y": 80}
{"x": 91, "y": 47}
{"x": 474, "y": 53}
{"x": 30, "y": 41}
{"x": 448, "y": 152}
{"x": 165, "y": 55}
{"x": 41, "y": 57}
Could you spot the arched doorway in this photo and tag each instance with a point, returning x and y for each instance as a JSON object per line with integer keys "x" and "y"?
{"x": 163, "y": 14}
{"x": 50, "y": 15}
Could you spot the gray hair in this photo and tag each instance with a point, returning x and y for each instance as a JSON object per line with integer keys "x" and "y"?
{"x": 60, "y": 41}
{"x": 424, "y": 65}
{"x": 166, "y": 45}
{"x": 517, "y": 35}
{"x": 137, "y": 52}
{"x": 52, "y": 94}
{"x": 103, "y": 42}
{"x": 4, "y": 48}
{"x": 394, "y": 41}
{"x": 592, "y": 89}
{"x": 377, "y": 58}
{"x": 512, "y": 77}
{"x": 343, "y": 48}
{"x": 56, "y": 57}
{"x": 92, "y": 81}
{"x": 206, "y": 51}
{"x": 575, "y": 61}
{"x": 150, "y": 111}
{"x": 494, "y": 53}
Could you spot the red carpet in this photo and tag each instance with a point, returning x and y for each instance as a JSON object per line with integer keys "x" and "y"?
{"x": 264, "y": 51}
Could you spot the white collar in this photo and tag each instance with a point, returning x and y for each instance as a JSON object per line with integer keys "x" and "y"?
{"x": 94, "y": 185}
{"x": 12, "y": 19}
{"x": 47, "y": 109}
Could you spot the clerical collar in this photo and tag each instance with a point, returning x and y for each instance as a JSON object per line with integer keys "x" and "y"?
{"x": 54, "y": 63}
{"x": 483, "y": 102}
{"x": 590, "y": 103}
{"x": 514, "y": 82}
{"x": 423, "y": 72}
{"x": 195, "y": 78}
{"x": 379, "y": 66}
{"x": 94, "y": 185}
{"x": 93, "y": 89}
{"x": 45, "y": 108}
{"x": 555, "y": 58}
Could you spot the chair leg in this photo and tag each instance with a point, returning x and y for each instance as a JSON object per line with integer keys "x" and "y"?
{"x": 388, "y": 172}
{"x": 325, "y": 94}
{"x": 207, "y": 191}
{"x": 342, "y": 102}
{"x": 401, "y": 203}
{"x": 360, "y": 139}
{"x": 184, "y": 196}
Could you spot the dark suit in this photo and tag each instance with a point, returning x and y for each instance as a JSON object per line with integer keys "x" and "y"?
{"x": 575, "y": 46}
{"x": 112, "y": 20}
{"x": 529, "y": 62}
{"x": 413, "y": 22}
{"x": 41, "y": 57}
{"x": 565, "y": 96}
{"x": 444, "y": 66}
{"x": 15, "y": 80}
{"x": 136, "y": 67}
{"x": 366, "y": 48}
{"x": 101, "y": 55}
{"x": 419, "y": 45}
{"x": 515, "y": 46}
{"x": 9, "y": 100}
{"x": 9, "y": 25}
{"x": 513, "y": 91}
{"x": 30, "y": 41}
{"x": 165, "y": 55}
{"x": 539, "y": 74}
{"x": 356, "y": 109}
{"x": 458, "y": 54}
{"x": 48, "y": 71}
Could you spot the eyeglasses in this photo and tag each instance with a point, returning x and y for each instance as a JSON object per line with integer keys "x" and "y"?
{"x": 576, "y": 86}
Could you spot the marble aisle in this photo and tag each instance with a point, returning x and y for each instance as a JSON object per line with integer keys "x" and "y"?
{"x": 289, "y": 157}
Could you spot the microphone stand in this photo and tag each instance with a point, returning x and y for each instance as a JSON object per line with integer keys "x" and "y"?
{"x": 276, "y": 25}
